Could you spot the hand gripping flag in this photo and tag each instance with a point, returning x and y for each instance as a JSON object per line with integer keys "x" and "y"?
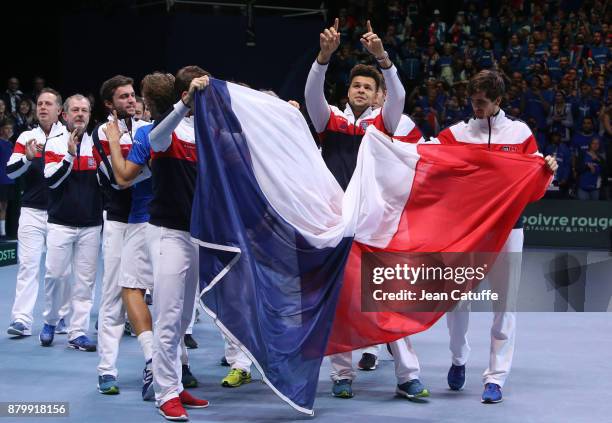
{"x": 275, "y": 229}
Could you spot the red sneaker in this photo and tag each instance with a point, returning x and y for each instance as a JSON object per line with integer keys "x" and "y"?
{"x": 189, "y": 401}
{"x": 173, "y": 410}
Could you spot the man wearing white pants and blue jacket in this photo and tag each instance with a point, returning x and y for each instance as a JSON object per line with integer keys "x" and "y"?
{"x": 74, "y": 223}
{"x": 27, "y": 161}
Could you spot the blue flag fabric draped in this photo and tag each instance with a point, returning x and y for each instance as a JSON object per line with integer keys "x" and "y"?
{"x": 270, "y": 275}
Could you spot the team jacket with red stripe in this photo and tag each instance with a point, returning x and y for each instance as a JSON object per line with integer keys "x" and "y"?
{"x": 74, "y": 191}
{"x": 35, "y": 194}
{"x": 117, "y": 201}
{"x": 173, "y": 169}
{"x": 340, "y": 132}
{"x": 497, "y": 133}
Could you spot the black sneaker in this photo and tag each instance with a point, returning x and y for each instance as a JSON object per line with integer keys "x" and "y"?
{"x": 368, "y": 362}
{"x": 128, "y": 330}
{"x": 190, "y": 342}
{"x": 188, "y": 380}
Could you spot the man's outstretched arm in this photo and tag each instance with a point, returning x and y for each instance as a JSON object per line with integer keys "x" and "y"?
{"x": 394, "y": 103}
{"x": 316, "y": 104}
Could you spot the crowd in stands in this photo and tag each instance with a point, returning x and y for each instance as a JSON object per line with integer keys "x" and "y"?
{"x": 554, "y": 56}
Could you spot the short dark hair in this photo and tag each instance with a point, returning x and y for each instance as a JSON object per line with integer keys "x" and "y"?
{"x": 367, "y": 71}
{"x": 58, "y": 96}
{"x": 139, "y": 99}
{"x": 158, "y": 88}
{"x": 184, "y": 76}
{"x": 110, "y": 86}
{"x": 489, "y": 82}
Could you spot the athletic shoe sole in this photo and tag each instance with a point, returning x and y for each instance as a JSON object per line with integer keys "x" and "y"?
{"x": 195, "y": 406}
{"x": 15, "y": 332}
{"x": 44, "y": 343}
{"x": 457, "y": 389}
{"x": 412, "y": 397}
{"x": 343, "y": 395}
{"x": 226, "y": 384}
{"x": 111, "y": 391}
{"x": 174, "y": 419}
{"x": 367, "y": 369}
{"x": 78, "y": 348}
{"x": 491, "y": 401}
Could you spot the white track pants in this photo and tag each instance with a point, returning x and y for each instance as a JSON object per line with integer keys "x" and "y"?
{"x": 111, "y": 317}
{"x": 79, "y": 247}
{"x": 235, "y": 357}
{"x": 406, "y": 362}
{"x": 504, "y": 277}
{"x": 32, "y": 236}
{"x": 175, "y": 275}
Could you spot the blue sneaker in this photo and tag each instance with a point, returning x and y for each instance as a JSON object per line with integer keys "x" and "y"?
{"x": 343, "y": 388}
{"x": 492, "y": 394}
{"x": 148, "y": 393}
{"x": 413, "y": 389}
{"x": 46, "y": 335}
{"x": 61, "y": 328}
{"x": 18, "y": 329}
{"x": 82, "y": 343}
{"x": 107, "y": 384}
{"x": 456, "y": 377}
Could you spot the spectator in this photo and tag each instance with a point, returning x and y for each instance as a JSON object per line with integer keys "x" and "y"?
{"x": 418, "y": 116}
{"x": 411, "y": 63}
{"x": 514, "y": 52}
{"x": 445, "y": 64}
{"x": 4, "y": 114}
{"x": 6, "y": 183}
{"x": 485, "y": 59}
{"x": 582, "y": 139}
{"x": 598, "y": 51}
{"x": 24, "y": 118}
{"x": 436, "y": 33}
{"x": 536, "y": 103}
{"x": 38, "y": 84}
{"x": 553, "y": 64}
{"x": 459, "y": 31}
{"x": 560, "y": 117}
{"x": 563, "y": 155}
{"x": 589, "y": 170}
{"x": 585, "y": 105}
{"x": 12, "y": 95}
{"x": 140, "y": 108}
{"x": 541, "y": 46}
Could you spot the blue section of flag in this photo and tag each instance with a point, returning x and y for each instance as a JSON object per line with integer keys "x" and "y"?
{"x": 267, "y": 286}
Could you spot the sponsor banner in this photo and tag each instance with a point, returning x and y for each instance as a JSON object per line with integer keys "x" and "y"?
{"x": 532, "y": 281}
{"x": 568, "y": 224}
{"x": 8, "y": 253}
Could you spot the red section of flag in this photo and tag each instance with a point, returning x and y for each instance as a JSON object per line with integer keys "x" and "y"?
{"x": 463, "y": 199}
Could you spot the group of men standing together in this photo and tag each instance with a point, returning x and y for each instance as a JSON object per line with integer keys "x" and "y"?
{"x": 131, "y": 187}
{"x": 143, "y": 176}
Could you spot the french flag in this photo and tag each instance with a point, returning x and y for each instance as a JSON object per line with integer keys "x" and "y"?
{"x": 276, "y": 230}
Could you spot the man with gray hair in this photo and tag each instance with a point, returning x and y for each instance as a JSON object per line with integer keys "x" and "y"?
{"x": 75, "y": 221}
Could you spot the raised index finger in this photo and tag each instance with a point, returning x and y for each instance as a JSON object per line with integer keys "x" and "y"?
{"x": 369, "y": 26}
{"x": 336, "y": 24}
